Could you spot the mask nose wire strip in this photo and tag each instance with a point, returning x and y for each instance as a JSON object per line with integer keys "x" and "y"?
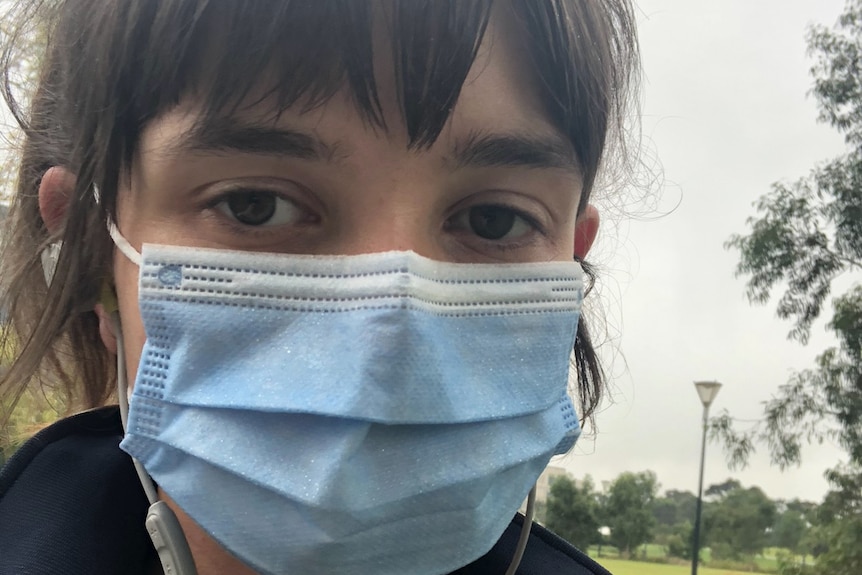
{"x": 525, "y": 533}
{"x": 123, "y": 395}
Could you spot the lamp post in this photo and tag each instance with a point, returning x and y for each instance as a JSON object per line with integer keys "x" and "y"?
{"x": 604, "y": 532}
{"x": 707, "y": 390}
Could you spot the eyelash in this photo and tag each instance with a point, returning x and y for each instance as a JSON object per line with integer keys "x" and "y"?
{"x": 213, "y": 204}
{"x": 531, "y": 220}
{"x": 531, "y": 237}
{"x": 534, "y": 224}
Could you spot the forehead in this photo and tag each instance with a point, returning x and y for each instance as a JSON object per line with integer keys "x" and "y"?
{"x": 228, "y": 57}
{"x": 300, "y": 55}
{"x": 497, "y": 95}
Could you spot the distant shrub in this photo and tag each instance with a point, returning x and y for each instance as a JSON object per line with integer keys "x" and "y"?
{"x": 788, "y": 565}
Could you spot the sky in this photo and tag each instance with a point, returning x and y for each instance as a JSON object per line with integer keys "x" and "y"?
{"x": 725, "y": 113}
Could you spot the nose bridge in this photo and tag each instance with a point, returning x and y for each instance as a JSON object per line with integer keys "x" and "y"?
{"x": 388, "y": 226}
{"x": 400, "y": 216}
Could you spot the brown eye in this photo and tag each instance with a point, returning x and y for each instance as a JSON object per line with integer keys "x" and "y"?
{"x": 488, "y": 228}
{"x": 491, "y": 222}
{"x": 260, "y": 208}
{"x": 252, "y": 208}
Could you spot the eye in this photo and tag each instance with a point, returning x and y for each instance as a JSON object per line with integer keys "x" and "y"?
{"x": 259, "y": 208}
{"x": 491, "y": 222}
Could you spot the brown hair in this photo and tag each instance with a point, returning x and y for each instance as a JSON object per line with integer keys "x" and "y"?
{"x": 109, "y": 68}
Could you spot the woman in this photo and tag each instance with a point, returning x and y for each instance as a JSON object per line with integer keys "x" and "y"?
{"x": 331, "y": 248}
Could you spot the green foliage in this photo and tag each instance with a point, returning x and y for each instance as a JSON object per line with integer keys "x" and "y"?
{"x": 674, "y": 507}
{"x": 38, "y": 406}
{"x": 839, "y": 543}
{"x": 789, "y": 566}
{"x": 665, "y": 512}
{"x": 628, "y": 509}
{"x": 788, "y": 243}
{"x": 789, "y": 529}
{"x": 737, "y": 524}
{"x": 838, "y": 72}
{"x": 35, "y": 409}
{"x": 674, "y": 513}
{"x": 720, "y": 490}
{"x": 572, "y": 511}
{"x": 540, "y": 512}
{"x": 26, "y": 39}
{"x": 836, "y": 537}
{"x": 807, "y": 235}
{"x": 679, "y": 544}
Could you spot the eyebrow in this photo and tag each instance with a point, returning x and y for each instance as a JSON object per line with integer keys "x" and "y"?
{"x": 224, "y": 135}
{"x": 489, "y": 150}
{"x": 480, "y": 149}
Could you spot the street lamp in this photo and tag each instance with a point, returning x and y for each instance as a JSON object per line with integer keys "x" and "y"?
{"x": 707, "y": 390}
{"x": 604, "y": 532}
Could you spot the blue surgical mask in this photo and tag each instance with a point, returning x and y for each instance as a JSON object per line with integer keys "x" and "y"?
{"x": 375, "y": 414}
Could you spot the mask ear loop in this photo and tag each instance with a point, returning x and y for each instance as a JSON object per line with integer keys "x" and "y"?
{"x": 162, "y": 525}
{"x": 525, "y": 533}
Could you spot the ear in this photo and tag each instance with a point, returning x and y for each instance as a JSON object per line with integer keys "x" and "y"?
{"x": 586, "y": 230}
{"x": 55, "y": 193}
{"x": 106, "y": 329}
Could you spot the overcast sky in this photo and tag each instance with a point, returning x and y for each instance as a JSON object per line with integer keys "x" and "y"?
{"x": 726, "y": 114}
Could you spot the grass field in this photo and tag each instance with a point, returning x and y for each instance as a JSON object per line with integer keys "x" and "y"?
{"x": 620, "y": 567}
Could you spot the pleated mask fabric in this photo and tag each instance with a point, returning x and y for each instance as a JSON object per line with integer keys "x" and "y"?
{"x": 382, "y": 413}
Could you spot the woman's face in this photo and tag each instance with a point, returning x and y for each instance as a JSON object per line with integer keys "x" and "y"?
{"x": 499, "y": 185}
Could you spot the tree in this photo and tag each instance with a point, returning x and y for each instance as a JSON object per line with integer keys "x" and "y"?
{"x": 720, "y": 490}
{"x": 837, "y": 532}
{"x": 628, "y": 509}
{"x": 22, "y": 39}
{"x": 680, "y": 542}
{"x": 36, "y": 408}
{"x": 807, "y": 241}
{"x": 674, "y": 508}
{"x": 674, "y": 513}
{"x": 789, "y": 529}
{"x": 739, "y": 522}
{"x": 572, "y": 511}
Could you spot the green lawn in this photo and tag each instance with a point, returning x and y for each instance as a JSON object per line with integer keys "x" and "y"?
{"x": 647, "y": 551}
{"x": 620, "y": 567}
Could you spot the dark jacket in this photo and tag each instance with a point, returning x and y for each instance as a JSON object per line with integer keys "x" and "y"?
{"x": 70, "y": 504}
